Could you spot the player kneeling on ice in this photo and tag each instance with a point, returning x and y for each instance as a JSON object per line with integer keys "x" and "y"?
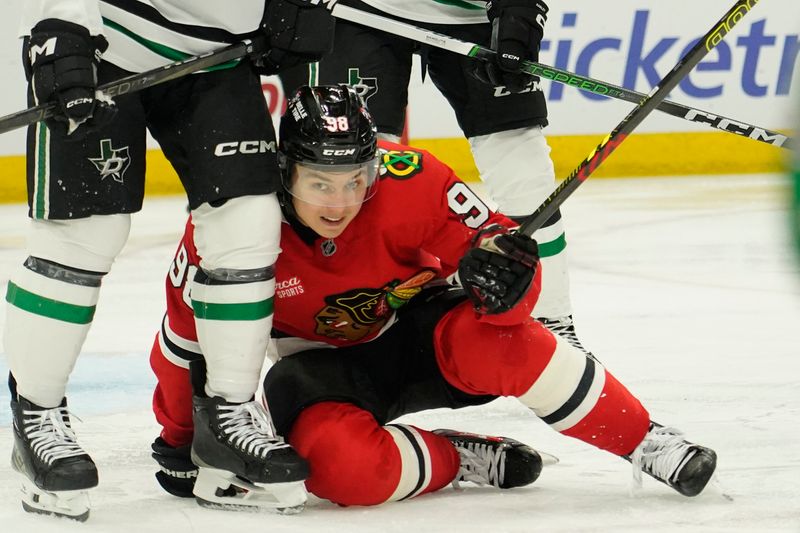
{"x": 367, "y": 329}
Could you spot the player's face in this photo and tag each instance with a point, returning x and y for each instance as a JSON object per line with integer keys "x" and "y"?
{"x": 327, "y": 201}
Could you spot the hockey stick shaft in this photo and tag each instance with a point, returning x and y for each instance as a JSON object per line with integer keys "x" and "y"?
{"x": 142, "y": 80}
{"x": 636, "y": 116}
{"x": 558, "y": 75}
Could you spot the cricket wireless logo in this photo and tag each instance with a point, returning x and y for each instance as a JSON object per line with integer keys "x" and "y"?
{"x": 764, "y": 60}
{"x": 112, "y": 161}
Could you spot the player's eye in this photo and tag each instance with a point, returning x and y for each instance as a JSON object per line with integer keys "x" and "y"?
{"x": 320, "y": 186}
{"x": 355, "y": 184}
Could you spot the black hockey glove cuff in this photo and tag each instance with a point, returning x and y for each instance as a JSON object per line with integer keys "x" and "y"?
{"x": 497, "y": 272}
{"x": 61, "y": 60}
{"x": 298, "y": 32}
{"x": 517, "y": 31}
{"x": 178, "y": 473}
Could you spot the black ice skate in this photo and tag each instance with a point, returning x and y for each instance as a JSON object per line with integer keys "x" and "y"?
{"x": 499, "y": 461}
{"x": 666, "y": 456}
{"x": 56, "y": 471}
{"x": 243, "y": 464}
{"x": 565, "y": 328}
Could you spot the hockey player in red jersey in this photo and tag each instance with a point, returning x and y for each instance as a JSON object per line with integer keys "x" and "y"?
{"x": 501, "y": 112}
{"x": 367, "y": 329}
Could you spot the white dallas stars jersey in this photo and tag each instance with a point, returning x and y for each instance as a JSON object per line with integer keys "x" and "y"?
{"x": 145, "y": 34}
{"x": 434, "y": 11}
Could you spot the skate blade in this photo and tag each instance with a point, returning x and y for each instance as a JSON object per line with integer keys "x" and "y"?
{"x": 220, "y": 489}
{"x": 548, "y": 459}
{"x": 72, "y": 504}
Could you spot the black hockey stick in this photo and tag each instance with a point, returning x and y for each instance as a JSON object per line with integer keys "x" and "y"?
{"x": 565, "y": 77}
{"x": 142, "y": 80}
{"x": 636, "y": 116}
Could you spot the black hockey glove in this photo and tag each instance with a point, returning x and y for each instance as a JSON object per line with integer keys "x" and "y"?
{"x": 498, "y": 270}
{"x": 178, "y": 473}
{"x": 298, "y": 32}
{"x": 61, "y": 60}
{"x": 517, "y": 30}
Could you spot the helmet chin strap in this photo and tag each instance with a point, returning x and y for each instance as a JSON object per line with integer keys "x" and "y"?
{"x": 284, "y": 196}
{"x": 306, "y": 234}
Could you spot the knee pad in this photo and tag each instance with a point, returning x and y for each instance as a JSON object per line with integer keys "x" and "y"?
{"x": 355, "y": 461}
{"x": 232, "y": 292}
{"x": 480, "y": 358}
{"x": 90, "y": 243}
{"x": 242, "y": 234}
{"x": 516, "y": 168}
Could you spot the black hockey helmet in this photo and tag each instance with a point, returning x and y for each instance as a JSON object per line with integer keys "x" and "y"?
{"x": 327, "y": 130}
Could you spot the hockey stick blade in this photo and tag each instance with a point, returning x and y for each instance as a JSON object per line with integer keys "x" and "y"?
{"x": 636, "y": 116}
{"x": 142, "y": 80}
{"x": 565, "y": 77}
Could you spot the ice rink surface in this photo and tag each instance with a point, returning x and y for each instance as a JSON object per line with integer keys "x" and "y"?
{"x": 686, "y": 288}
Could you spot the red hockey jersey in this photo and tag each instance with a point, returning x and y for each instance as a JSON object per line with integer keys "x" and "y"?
{"x": 346, "y": 290}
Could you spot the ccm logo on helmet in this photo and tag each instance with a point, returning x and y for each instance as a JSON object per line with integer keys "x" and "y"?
{"x": 330, "y": 151}
{"x": 244, "y": 147}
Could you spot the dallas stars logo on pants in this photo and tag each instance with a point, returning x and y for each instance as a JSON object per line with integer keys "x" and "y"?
{"x": 112, "y": 161}
{"x": 365, "y": 87}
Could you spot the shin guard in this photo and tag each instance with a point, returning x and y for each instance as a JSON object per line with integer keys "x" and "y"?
{"x": 354, "y": 461}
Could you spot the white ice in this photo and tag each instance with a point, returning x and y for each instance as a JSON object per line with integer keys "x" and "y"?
{"x": 686, "y": 288}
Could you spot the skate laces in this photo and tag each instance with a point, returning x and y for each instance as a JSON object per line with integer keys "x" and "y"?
{"x": 662, "y": 453}
{"x": 565, "y": 328}
{"x": 247, "y": 426}
{"x": 481, "y": 463}
{"x": 50, "y": 434}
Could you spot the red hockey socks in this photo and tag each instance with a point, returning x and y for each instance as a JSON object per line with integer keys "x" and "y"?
{"x": 172, "y": 399}
{"x": 574, "y": 394}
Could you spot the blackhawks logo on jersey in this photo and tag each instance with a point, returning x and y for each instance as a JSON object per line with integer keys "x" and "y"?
{"x": 400, "y": 164}
{"x": 358, "y": 313}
